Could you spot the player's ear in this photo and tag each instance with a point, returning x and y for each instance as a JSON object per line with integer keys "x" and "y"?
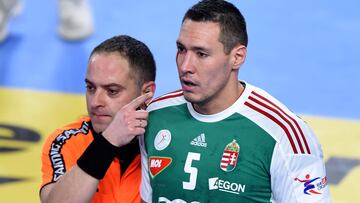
{"x": 238, "y": 55}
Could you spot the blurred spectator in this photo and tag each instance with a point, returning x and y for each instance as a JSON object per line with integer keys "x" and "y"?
{"x": 75, "y": 18}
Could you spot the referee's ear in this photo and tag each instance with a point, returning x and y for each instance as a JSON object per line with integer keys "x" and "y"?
{"x": 147, "y": 87}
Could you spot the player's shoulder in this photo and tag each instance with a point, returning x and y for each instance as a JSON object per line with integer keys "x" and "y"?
{"x": 170, "y": 99}
{"x": 265, "y": 104}
{"x": 81, "y": 123}
{"x": 264, "y": 99}
{"x": 288, "y": 129}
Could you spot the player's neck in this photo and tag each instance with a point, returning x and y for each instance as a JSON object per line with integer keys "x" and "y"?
{"x": 220, "y": 102}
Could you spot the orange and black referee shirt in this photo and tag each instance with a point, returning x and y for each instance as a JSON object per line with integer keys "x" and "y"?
{"x": 63, "y": 148}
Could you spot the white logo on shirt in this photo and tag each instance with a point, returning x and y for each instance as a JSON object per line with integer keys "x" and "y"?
{"x": 225, "y": 186}
{"x": 164, "y": 199}
{"x": 199, "y": 141}
{"x": 162, "y": 139}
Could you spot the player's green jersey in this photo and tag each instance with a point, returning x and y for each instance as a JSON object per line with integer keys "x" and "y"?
{"x": 226, "y": 157}
{"x": 208, "y": 160}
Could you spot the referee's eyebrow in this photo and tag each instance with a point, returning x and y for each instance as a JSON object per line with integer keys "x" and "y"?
{"x": 106, "y": 86}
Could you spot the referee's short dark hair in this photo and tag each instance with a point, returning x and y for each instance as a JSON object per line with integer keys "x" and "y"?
{"x": 140, "y": 59}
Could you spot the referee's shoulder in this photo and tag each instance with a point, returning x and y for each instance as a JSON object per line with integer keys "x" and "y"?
{"x": 81, "y": 125}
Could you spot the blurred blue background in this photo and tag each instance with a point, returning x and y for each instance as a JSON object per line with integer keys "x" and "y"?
{"x": 305, "y": 53}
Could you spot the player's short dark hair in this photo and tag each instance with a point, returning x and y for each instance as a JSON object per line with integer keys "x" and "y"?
{"x": 231, "y": 21}
{"x": 140, "y": 59}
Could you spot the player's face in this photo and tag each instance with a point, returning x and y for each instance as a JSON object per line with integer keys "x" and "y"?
{"x": 109, "y": 87}
{"x": 204, "y": 69}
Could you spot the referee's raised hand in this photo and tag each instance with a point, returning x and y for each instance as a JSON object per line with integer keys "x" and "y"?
{"x": 128, "y": 122}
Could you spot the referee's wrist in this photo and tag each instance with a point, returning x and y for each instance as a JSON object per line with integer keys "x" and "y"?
{"x": 107, "y": 136}
{"x": 97, "y": 157}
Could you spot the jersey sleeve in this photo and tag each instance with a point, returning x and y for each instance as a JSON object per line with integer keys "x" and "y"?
{"x": 297, "y": 177}
{"x": 57, "y": 157}
{"x": 145, "y": 187}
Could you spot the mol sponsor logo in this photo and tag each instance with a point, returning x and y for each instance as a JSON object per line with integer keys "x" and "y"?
{"x": 225, "y": 186}
{"x": 158, "y": 164}
{"x": 155, "y": 163}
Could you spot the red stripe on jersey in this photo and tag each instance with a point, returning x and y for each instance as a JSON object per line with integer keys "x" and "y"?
{"x": 291, "y": 118}
{"x": 277, "y": 122}
{"x": 283, "y": 118}
{"x": 173, "y": 94}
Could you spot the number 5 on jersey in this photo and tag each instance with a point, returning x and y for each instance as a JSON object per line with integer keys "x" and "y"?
{"x": 191, "y": 184}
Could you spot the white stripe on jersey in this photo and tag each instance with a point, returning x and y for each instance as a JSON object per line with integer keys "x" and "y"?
{"x": 171, "y": 99}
